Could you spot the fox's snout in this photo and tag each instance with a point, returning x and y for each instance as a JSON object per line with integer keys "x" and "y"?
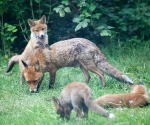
{"x": 41, "y": 35}
{"x": 33, "y": 90}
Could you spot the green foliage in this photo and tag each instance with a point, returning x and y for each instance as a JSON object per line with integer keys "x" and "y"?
{"x": 131, "y": 21}
{"x": 7, "y": 36}
{"x": 117, "y": 19}
{"x": 89, "y": 14}
{"x": 61, "y": 10}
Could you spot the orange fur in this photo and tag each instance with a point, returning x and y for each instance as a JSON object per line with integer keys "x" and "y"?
{"x": 138, "y": 97}
{"x": 76, "y": 52}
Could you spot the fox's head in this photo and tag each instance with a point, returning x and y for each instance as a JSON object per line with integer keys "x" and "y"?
{"x": 59, "y": 108}
{"x": 38, "y": 28}
{"x": 140, "y": 88}
{"x": 33, "y": 76}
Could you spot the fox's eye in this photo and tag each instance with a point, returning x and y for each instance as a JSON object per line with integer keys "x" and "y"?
{"x": 43, "y": 28}
{"x": 37, "y": 30}
{"x": 35, "y": 81}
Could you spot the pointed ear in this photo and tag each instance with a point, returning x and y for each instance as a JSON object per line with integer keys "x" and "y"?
{"x": 43, "y": 19}
{"x": 37, "y": 66}
{"x": 25, "y": 64}
{"x": 31, "y": 23}
{"x": 141, "y": 83}
{"x": 56, "y": 101}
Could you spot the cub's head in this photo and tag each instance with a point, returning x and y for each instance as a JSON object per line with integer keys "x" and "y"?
{"x": 33, "y": 76}
{"x": 59, "y": 108}
{"x": 38, "y": 28}
{"x": 140, "y": 88}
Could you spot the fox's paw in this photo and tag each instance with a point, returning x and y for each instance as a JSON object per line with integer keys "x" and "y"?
{"x": 111, "y": 115}
{"x": 47, "y": 46}
{"x": 41, "y": 45}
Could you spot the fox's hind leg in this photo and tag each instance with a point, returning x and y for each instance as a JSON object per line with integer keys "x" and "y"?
{"x": 78, "y": 110}
{"x": 77, "y": 106}
{"x": 90, "y": 65}
{"x": 86, "y": 73}
{"x": 85, "y": 110}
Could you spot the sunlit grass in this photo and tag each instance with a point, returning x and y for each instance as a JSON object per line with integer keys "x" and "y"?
{"x": 20, "y": 107}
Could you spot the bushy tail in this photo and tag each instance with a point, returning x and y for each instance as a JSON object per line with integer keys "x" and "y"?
{"x": 93, "y": 106}
{"x": 11, "y": 63}
{"x": 106, "y": 67}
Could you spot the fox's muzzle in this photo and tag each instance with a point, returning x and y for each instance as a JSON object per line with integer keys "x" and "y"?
{"x": 33, "y": 88}
{"x": 34, "y": 91}
{"x": 42, "y": 35}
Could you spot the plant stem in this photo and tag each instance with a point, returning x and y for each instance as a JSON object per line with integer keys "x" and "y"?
{"x": 22, "y": 31}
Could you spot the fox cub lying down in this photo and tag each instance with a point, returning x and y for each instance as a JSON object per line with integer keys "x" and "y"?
{"x": 77, "y": 96}
{"x": 138, "y": 97}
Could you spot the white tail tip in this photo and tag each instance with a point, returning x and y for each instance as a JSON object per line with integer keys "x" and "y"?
{"x": 111, "y": 115}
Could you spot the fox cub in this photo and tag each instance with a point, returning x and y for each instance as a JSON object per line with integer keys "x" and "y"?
{"x": 138, "y": 97}
{"x": 77, "y": 96}
{"x": 38, "y": 35}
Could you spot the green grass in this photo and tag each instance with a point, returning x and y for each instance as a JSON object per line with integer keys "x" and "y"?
{"x": 20, "y": 107}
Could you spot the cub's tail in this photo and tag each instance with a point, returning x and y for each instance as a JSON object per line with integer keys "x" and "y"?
{"x": 92, "y": 105}
{"x": 12, "y": 62}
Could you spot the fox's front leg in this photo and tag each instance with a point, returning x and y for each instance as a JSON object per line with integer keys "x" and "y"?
{"x": 52, "y": 78}
{"x": 40, "y": 44}
{"x": 47, "y": 46}
{"x": 67, "y": 111}
{"x": 39, "y": 84}
{"x": 22, "y": 78}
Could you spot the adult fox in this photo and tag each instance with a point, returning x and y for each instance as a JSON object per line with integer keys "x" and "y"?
{"x": 38, "y": 34}
{"x": 138, "y": 97}
{"x": 76, "y": 52}
{"x": 77, "y": 96}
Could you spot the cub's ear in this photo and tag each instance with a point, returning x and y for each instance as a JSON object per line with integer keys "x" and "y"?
{"x": 31, "y": 23}
{"x": 25, "y": 64}
{"x": 141, "y": 83}
{"x": 37, "y": 66}
{"x": 43, "y": 19}
{"x": 56, "y": 102}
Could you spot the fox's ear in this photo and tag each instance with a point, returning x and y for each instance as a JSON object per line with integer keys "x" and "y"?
{"x": 31, "y": 23}
{"x": 25, "y": 64}
{"x": 43, "y": 19}
{"x": 37, "y": 66}
{"x": 141, "y": 83}
{"x": 56, "y": 101}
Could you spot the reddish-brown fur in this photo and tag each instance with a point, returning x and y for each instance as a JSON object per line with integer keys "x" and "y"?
{"x": 38, "y": 34}
{"x": 138, "y": 97}
{"x": 77, "y": 52}
{"x": 77, "y": 96}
